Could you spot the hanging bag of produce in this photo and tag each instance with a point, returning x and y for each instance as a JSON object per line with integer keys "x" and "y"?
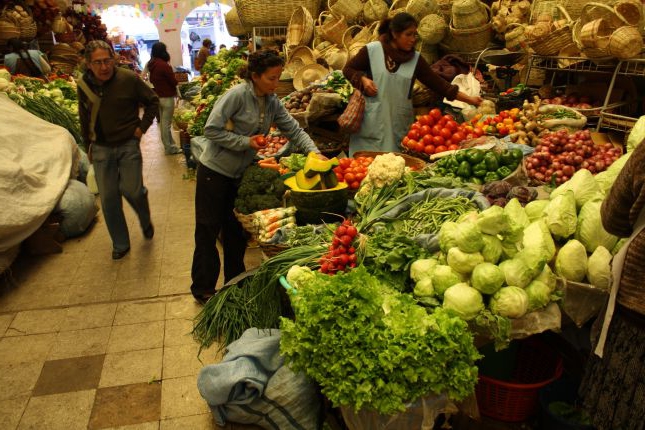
{"x": 352, "y": 117}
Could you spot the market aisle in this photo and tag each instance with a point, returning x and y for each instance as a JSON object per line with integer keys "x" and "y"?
{"x": 88, "y": 342}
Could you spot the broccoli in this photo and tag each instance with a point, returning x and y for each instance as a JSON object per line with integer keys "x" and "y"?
{"x": 259, "y": 189}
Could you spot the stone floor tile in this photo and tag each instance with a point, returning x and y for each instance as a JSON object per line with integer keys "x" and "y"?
{"x": 69, "y": 375}
{"x": 52, "y": 296}
{"x": 184, "y": 307}
{"x": 78, "y": 343}
{"x": 154, "y": 425}
{"x": 36, "y": 322}
{"x": 23, "y": 349}
{"x": 194, "y": 422}
{"x": 89, "y": 316}
{"x": 180, "y": 398}
{"x": 11, "y": 411}
{"x": 178, "y": 332}
{"x": 136, "y": 288}
{"x": 182, "y": 360}
{"x": 171, "y": 285}
{"x": 177, "y": 267}
{"x": 131, "y": 367}
{"x": 5, "y": 321}
{"x": 139, "y": 268}
{"x": 126, "y": 405}
{"x": 66, "y": 411}
{"x": 136, "y": 336}
{"x": 89, "y": 292}
{"x": 140, "y": 312}
{"x": 92, "y": 272}
{"x": 18, "y": 379}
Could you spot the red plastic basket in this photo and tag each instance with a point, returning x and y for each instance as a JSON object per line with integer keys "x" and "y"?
{"x": 536, "y": 365}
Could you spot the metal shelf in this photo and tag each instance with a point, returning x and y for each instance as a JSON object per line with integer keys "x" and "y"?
{"x": 570, "y": 64}
{"x": 616, "y": 122}
{"x": 633, "y": 67}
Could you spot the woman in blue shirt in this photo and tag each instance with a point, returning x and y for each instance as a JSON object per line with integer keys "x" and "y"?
{"x": 23, "y": 61}
{"x": 242, "y": 114}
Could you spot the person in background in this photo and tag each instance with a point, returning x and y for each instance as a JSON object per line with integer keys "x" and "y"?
{"x": 109, "y": 98}
{"x": 385, "y": 71}
{"x": 239, "y": 118}
{"x": 222, "y": 46}
{"x": 164, "y": 83}
{"x": 23, "y": 61}
{"x": 614, "y": 381}
{"x": 203, "y": 54}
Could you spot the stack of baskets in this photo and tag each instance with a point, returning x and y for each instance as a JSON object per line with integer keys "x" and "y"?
{"x": 550, "y": 31}
{"x": 260, "y": 13}
{"x": 64, "y": 58}
{"x": 301, "y": 28}
{"x": 16, "y": 22}
{"x": 233, "y": 23}
{"x": 470, "y": 28}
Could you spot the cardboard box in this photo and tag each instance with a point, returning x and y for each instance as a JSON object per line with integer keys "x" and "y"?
{"x": 613, "y": 137}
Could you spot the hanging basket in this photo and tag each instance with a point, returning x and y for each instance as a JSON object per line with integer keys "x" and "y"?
{"x": 630, "y": 10}
{"x": 262, "y": 13}
{"x": 397, "y": 7}
{"x": 625, "y": 42}
{"x": 469, "y": 14}
{"x": 347, "y": 9}
{"x": 469, "y": 40}
{"x": 555, "y": 40}
{"x": 421, "y": 8}
{"x": 432, "y": 29}
{"x": 28, "y": 31}
{"x": 233, "y": 23}
{"x": 374, "y": 11}
{"x": 515, "y": 37}
{"x": 301, "y": 28}
{"x": 8, "y": 30}
{"x": 336, "y": 58}
{"x": 595, "y": 34}
{"x": 332, "y": 28}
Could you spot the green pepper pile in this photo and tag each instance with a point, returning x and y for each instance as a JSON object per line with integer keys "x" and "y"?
{"x": 479, "y": 166}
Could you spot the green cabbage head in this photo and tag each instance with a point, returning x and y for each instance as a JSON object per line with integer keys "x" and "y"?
{"x": 469, "y": 237}
{"x": 590, "y": 231}
{"x": 487, "y": 278}
{"x": 492, "y": 220}
{"x": 422, "y": 268}
{"x": 539, "y": 295}
{"x": 443, "y": 278}
{"x": 492, "y": 250}
{"x": 463, "y": 262}
{"x": 534, "y": 210}
{"x": 571, "y": 261}
{"x": 464, "y": 300}
{"x": 511, "y": 302}
{"x": 599, "y": 268}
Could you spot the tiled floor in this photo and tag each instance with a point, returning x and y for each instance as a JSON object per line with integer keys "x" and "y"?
{"x": 88, "y": 342}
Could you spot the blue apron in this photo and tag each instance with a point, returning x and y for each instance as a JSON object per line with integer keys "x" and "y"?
{"x": 389, "y": 114}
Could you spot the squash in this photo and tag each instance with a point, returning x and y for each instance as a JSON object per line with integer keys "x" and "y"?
{"x": 319, "y": 206}
{"x": 314, "y": 164}
{"x": 305, "y": 182}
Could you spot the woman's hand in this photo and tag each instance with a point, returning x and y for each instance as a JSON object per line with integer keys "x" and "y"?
{"x": 257, "y": 142}
{"x": 138, "y": 133}
{"x": 369, "y": 87}
{"x": 471, "y": 100}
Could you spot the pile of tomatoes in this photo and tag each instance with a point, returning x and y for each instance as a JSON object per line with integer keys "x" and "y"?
{"x": 500, "y": 124}
{"x": 342, "y": 253}
{"x": 352, "y": 170}
{"x": 434, "y": 133}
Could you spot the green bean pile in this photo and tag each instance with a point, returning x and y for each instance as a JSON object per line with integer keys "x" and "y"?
{"x": 427, "y": 216}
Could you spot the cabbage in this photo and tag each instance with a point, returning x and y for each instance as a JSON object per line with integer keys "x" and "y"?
{"x": 463, "y": 262}
{"x": 492, "y": 250}
{"x": 510, "y": 249}
{"x": 590, "y": 231}
{"x": 571, "y": 261}
{"x": 539, "y": 295}
{"x": 511, "y": 302}
{"x": 516, "y": 215}
{"x": 547, "y": 277}
{"x": 464, "y": 300}
{"x": 537, "y": 236}
{"x": 637, "y": 134}
{"x": 443, "y": 278}
{"x": 534, "y": 210}
{"x": 447, "y": 238}
{"x": 487, "y": 278}
{"x": 606, "y": 179}
{"x": 422, "y": 269}
{"x": 599, "y": 268}
{"x": 619, "y": 245}
{"x": 582, "y": 184}
{"x": 492, "y": 220}
{"x": 423, "y": 288}
{"x": 468, "y": 237}
{"x": 561, "y": 215}
{"x": 299, "y": 276}
{"x": 534, "y": 260}
{"x": 516, "y": 273}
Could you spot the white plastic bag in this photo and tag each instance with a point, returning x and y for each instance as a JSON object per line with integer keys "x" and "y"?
{"x": 91, "y": 180}
{"x": 467, "y": 84}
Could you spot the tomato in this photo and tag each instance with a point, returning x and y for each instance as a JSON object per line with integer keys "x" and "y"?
{"x": 503, "y": 130}
{"x": 478, "y": 131}
{"x": 404, "y": 142}
{"x": 458, "y": 137}
{"x": 424, "y": 130}
{"x": 359, "y": 176}
{"x": 413, "y": 134}
{"x": 441, "y": 148}
{"x": 419, "y": 147}
{"x": 424, "y": 119}
{"x": 503, "y": 114}
{"x": 412, "y": 144}
{"x": 260, "y": 141}
{"x": 346, "y": 162}
{"x": 415, "y": 125}
{"x": 446, "y": 133}
{"x": 435, "y": 113}
{"x": 447, "y": 118}
{"x": 350, "y": 177}
{"x": 429, "y": 149}
{"x": 452, "y": 125}
{"x": 427, "y": 139}
{"x": 453, "y": 147}
{"x": 355, "y": 185}
{"x": 508, "y": 121}
{"x": 438, "y": 140}
{"x": 436, "y": 130}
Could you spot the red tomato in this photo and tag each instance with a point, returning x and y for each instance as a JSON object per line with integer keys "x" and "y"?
{"x": 504, "y": 114}
{"x": 457, "y": 137}
{"x": 438, "y": 140}
{"x": 478, "y": 131}
{"x": 435, "y": 113}
{"x": 413, "y": 134}
{"x": 360, "y": 176}
{"x": 355, "y": 185}
{"x": 404, "y": 142}
{"x": 345, "y": 162}
{"x": 447, "y": 118}
{"x": 412, "y": 144}
{"x": 424, "y": 119}
{"x": 503, "y": 130}
{"x": 436, "y": 130}
{"x": 429, "y": 149}
{"x": 452, "y": 125}
{"x": 446, "y": 133}
{"x": 441, "y": 148}
{"x": 453, "y": 147}
{"x": 419, "y": 147}
{"x": 425, "y": 130}
{"x": 415, "y": 125}
{"x": 350, "y": 177}
{"x": 427, "y": 139}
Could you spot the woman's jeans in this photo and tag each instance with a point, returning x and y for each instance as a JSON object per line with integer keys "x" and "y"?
{"x": 166, "y": 110}
{"x": 118, "y": 172}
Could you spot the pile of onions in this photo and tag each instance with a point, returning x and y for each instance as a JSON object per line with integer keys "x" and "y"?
{"x": 560, "y": 155}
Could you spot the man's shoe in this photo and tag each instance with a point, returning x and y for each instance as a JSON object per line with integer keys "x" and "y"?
{"x": 149, "y": 232}
{"x": 174, "y": 151}
{"x": 117, "y": 255}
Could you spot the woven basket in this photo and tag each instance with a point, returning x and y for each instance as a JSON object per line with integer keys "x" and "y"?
{"x": 630, "y": 10}
{"x": 595, "y": 34}
{"x": 595, "y": 10}
{"x": 515, "y": 37}
{"x": 374, "y": 11}
{"x": 332, "y": 28}
{"x": 432, "y": 29}
{"x": 625, "y": 42}
{"x": 271, "y": 249}
{"x": 8, "y": 30}
{"x": 60, "y": 25}
{"x": 247, "y": 222}
{"x": 468, "y": 14}
{"x": 28, "y": 31}
{"x": 469, "y": 40}
{"x": 569, "y": 56}
{"x": 234, "y": 25}
{"x": 556, "y": 40}
{"x": 336, "y": 57}
{"x": 301, "y": 28}
{"x": 397, "y": 7}
{"x": 360, "y": 39}
{"x": 445, "y": 9}
{"x": 262, "y": 13}
{"x": 421, "y": 8}
{"x": 347, "y": 9}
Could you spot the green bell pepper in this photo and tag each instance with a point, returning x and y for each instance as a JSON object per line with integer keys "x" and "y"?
{"x": 464, "y": 170}
{"x": 477, "y": 181}
{"x": 503, "y": 172}
{"x": 491, "y": 177}
{"x": 517, "y": 154}
{"x": 452, "y": 164}
{"x": 480, "y": 169}
{"x": 440, "y": 171}
{"x": 460, "y": 156}
{"x": 491, "y": 161}
{"x": 506, "y": 158}
{"x": 474, "y": 156}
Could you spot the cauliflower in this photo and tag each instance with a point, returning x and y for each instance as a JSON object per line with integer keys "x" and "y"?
{"x": 385, "y": 169}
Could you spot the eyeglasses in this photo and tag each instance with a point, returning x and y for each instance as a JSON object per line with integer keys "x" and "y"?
{"x": 105, "y": 62}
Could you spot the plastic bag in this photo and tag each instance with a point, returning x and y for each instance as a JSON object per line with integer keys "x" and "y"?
{"x": 548, "y": 318}
{"x": 467, "y": 84}
{"x": 582, "y": 302}
{"x": 78, "y": 208}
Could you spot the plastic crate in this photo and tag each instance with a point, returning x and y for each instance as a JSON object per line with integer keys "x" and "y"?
{"x": 534, "y": 366}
